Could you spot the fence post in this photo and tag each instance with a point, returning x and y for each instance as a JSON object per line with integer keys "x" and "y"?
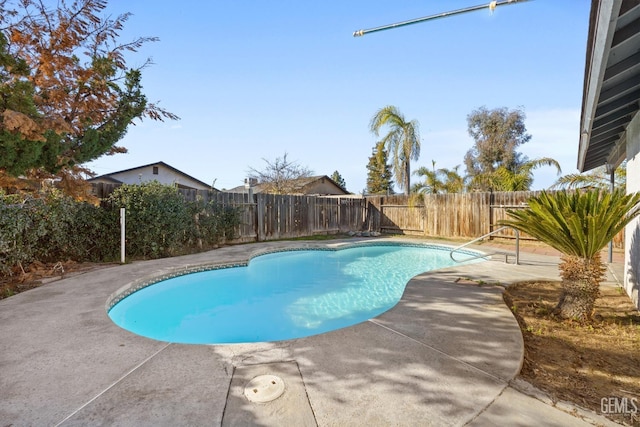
{"x": 122, "y": 235}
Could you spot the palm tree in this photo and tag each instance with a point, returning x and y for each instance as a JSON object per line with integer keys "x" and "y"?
{"x": 437, "y": 181}
{"x": 453, "y": 181}
{"x": 520, "y": 179}
{"x": 431, "y": 183}
{"x": 402, "y": 140}
{"x": 579, "y": 225}
{"x": 597, "y": 178}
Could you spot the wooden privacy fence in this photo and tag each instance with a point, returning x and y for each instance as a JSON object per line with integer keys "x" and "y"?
{"x": 456, "y": 215}
{"x": 445, "y": 215}
{"x": 271, "y": 217}
{"x": 395, "y": 214}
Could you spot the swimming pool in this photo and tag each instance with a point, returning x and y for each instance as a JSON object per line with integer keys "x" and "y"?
{"x": 277, "y": 296}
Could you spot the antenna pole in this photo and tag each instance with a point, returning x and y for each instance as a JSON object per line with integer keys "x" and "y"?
{"x": 491, "y": 6}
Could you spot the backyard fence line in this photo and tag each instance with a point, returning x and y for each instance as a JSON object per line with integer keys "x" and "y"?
{"x": 270, "y": 217}
{"x": 451, "y": 215}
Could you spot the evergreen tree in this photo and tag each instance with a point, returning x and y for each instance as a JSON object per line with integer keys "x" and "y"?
{"x": 379, "y": 175}
{"x": 66, "y": 93}
{"x": 337, "y": 178}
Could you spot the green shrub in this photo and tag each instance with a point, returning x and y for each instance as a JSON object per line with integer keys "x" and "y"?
{"x": 214, "y": 223}
{"x": 158, "y": 221}
{"x": 14, "y": 221}
{"x": 53, "y": 228}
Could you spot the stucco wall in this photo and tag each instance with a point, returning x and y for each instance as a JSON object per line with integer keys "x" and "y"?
{"x": 632, "y": 236}
{"x": 164, "y": 176}
{"x": 322, "y": 186}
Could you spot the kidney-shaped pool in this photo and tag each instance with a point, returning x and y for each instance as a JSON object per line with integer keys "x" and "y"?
{"x": 278, "y": 296}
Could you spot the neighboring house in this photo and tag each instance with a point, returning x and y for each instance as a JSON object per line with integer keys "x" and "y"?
{"x": 610, "y": 123}
{"x": 159, "y": 171}
{"x": 313, "y": 185}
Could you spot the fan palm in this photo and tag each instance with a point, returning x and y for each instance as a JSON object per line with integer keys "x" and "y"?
{"x": 402, "y": 141}
{"x": 579, "y": 225}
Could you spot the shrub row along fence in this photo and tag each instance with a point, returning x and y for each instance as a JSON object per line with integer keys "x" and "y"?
{"x": 164, "y": 221}
{"x": 270, "y": 217}
{"x": 455, "y": 215}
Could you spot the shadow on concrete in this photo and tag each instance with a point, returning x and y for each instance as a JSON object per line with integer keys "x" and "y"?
{"x": 438, "y": 358}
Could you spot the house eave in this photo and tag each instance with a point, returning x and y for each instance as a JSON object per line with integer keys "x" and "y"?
{"x": 612, "y": 82}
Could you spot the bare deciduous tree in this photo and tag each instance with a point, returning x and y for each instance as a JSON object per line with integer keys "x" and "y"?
{"x": 279, "y": 176}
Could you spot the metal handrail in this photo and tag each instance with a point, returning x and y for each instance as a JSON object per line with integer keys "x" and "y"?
{"x": 484, "y": 255}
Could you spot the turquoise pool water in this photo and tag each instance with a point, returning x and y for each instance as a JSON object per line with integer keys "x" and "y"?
{"x": 277, "y": 296}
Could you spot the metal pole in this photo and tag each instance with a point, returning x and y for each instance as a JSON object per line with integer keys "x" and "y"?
{"x": 491, "y": 5}
{"x": 612, "y": 182}
{"x": 122, "y": 235}
{"x": 517, "y": 246}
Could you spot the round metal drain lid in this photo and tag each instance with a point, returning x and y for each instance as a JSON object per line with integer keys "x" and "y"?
{"x": 264, "y": 388}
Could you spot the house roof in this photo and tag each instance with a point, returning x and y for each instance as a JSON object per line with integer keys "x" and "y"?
{"x": 110, "y": 177}
{"x": 105, "y": 178}
{"x": 612, "y": 82}
{"x": 298, "y": 185}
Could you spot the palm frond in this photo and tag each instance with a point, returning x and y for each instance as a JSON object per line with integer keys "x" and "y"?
{"x": 402, "y": 141}
{"x": 576, "y": 223}
{"x": 575, "y": 181}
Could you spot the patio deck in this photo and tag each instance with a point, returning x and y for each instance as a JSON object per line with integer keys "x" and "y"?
{"x": 445, "y": 355}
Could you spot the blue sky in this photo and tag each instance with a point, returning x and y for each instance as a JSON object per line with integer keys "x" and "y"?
{"x": 253, "y": 79}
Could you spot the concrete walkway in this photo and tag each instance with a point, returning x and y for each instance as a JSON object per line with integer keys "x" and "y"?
{"x": 445, "y": 355}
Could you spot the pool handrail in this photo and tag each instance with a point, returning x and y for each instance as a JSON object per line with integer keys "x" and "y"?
{"x": 483, "y": 255}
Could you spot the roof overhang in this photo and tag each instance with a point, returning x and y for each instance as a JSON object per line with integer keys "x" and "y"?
{"x": 611, "y": 84}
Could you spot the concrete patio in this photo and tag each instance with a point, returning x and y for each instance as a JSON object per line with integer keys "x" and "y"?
{"x": 445, "y": 355}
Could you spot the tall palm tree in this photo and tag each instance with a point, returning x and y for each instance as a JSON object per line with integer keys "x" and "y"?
{"x": 579, "y": 225}
{"x": 402, "y": 141}
{"x": 520, "y": 179}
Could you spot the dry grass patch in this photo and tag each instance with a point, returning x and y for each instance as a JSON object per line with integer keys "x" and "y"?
{"x": 576, "y": 362}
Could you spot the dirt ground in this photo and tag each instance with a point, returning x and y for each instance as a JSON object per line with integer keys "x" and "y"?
{"x": 38, "y": 274}
{"x": 595, "y": 365}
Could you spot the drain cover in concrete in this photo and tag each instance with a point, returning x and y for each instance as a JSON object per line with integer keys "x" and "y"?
{"x": 268, "y": 394}
{"x": 264, "y": 388}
